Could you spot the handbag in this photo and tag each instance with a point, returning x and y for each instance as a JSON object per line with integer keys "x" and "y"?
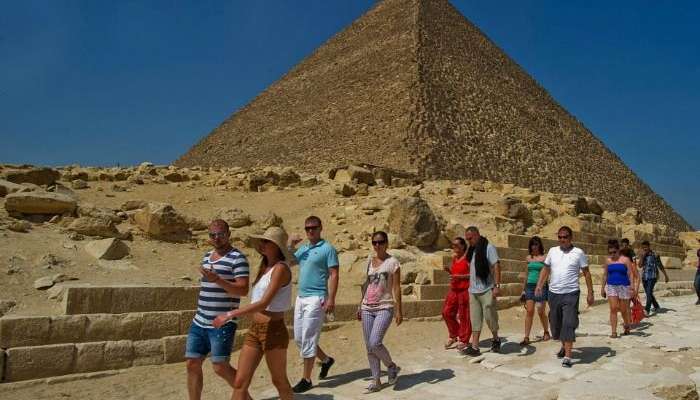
{"x": 637, "y": 310}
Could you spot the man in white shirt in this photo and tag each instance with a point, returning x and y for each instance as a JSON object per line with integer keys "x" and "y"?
{"x": 563, "y": 265}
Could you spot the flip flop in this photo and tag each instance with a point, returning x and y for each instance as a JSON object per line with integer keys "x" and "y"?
{"x": 525, "y": 342}
{"x": 546, "y": 337}
{"x": 450, "y": 343}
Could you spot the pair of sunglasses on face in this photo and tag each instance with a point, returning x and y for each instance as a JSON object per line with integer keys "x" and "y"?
{"x": 311, "y": 228}
{"x": 217, "y": 235}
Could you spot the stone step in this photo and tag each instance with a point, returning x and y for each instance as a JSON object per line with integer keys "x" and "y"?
{"x": 122, "y": 299}
{"x": 438, "y": 292}
{"x": 442, "y": 277}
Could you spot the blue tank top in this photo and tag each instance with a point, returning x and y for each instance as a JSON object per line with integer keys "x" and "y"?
{"x": 617, "y": 274}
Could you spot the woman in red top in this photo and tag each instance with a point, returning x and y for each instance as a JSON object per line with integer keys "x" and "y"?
{"x": 455, "y": 312}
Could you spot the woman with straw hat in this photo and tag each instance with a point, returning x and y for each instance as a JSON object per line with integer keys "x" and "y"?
{"x": 270, "y": 298}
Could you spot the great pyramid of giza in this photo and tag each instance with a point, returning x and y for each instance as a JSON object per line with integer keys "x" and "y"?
{"x": 413, "y": 85}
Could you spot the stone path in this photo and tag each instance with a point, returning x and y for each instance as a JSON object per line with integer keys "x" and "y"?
{"x": 660, "y": 360}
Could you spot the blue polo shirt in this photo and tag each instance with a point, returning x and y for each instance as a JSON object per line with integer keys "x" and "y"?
{"x": 314, "y": 262}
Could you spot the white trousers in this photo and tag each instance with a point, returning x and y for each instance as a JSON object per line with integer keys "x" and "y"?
{"x": 308, "y": 320}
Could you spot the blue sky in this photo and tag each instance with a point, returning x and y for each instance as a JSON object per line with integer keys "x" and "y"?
{"x": 101, "y": 83}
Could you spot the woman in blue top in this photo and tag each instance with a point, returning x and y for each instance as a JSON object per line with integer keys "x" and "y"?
{"x": 619, "y": 283}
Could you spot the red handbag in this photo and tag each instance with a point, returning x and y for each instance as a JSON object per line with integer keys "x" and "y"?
{"x": 637, "y": 310}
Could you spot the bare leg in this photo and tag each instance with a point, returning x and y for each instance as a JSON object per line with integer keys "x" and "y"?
{"x": 277, "y": 364}
{"x": 248, "y": 362}
{"x": 321, "y": 355}
{"x": 568, "y": 346}
{"x": 195, "y": 378}
{"x": 541, "y": 312}
{"x": 530, "y": 312}
{"x": 624, "y": 305}
{"x": 475, "y": 339}
{"x": 614, "y": 308}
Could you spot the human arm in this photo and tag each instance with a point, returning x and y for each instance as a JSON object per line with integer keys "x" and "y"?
{"x": 525, "y": 278}
{"x": 329, "y": 304}
{"x": 605, "y": 280}
{"x": 632, "y": 275}
{"x": 589, "y": 284}
{"x": 497, "y": 279}
{"x": 281, "y": 275}
{"x": 544, "y": 275}
{"x": 398, "y": 314}
{"x": 662, "y": 268}
{"x": 237, "y": 287}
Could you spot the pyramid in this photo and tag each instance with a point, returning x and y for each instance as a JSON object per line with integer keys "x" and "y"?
{"x": 413, "y": 85}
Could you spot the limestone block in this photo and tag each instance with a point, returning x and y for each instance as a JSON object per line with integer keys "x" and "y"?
{"x": 672, "y": 262}
{"x": 37, "y": 176}
{"x": 2, "y": 365}
{"x": 185, "y": 318}
{"x": 413, "y": 220}
{"x": 148, "y": 352}
{"x": 360, "y": 175}
{"x": 90, "y": 357}
{"x": 235, "y": 217}
{"x": 160, "y": 324}
{"x": 161, "y": 221}
{"x": 174, "y": 348}
{"x": 67, "y": 329}
{"x": 39, "y": 361}
{"x": 130, "y": 326}
{"x": 100, "y": 327}
{"x": 128, "y": 299}
{"x": 107, "y": 249}
{"x": 39, "y": 203}
{"x": 119, "y": 354}
{"x": 23, "y": 331}
{"x": 7, "y": 187}
{"x": 92, "y": 226}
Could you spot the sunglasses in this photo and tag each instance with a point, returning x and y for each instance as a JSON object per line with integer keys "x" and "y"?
{"x": 564, "y": 237}
{"x": 217, "y": 235}
{"x": 612, "y": 252}
{"x": 311, "y": 228}
{"x": 378, "y": 242}
{"x": 265, "y": 241}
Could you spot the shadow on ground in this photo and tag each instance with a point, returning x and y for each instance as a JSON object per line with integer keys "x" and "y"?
{"x": 589, "y": 355}
{"x": 347, "y": 377}
{"x": 431, "y": 376}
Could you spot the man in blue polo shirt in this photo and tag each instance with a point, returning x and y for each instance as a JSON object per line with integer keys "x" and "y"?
{"x": 318, "y": 284}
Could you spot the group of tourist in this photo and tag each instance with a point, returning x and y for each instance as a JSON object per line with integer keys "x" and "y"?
{"x": 225, "y": 279}
{"x": 475, "y": 283}
{"x": 550, "y": 278}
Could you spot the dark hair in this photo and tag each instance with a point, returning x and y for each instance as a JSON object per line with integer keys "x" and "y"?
{"x": 462, "y": 242}
{"x": 625, "y": 241}
{"x": 627, "y": 253}
{"x": 473, "y": 229}
{"x": 613, "y": 244}
{"x": 646, "y": 243}
{"x": 535, "y": 240}
{"x": 382, "y": 234}
{"x": 220, "y": 222}
{"x": 263, "y": 264}
{"x": 568, "y": 230}
{"x": 313, "y": 218}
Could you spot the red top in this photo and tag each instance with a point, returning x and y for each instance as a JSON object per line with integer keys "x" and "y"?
{"x": 459, "y": 267}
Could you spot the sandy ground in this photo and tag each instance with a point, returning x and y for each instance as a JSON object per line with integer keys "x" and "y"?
{"x": 665, "y": 344}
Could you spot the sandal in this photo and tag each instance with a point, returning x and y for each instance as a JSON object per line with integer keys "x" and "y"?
{"x": 462, "y": 345}
{"x": 450, "y": 343}
{"x": 614, "y": 336}
{"x": 546, "y": 336}
{"x": 374, "y": 387}
{"x": 525, "y": 342}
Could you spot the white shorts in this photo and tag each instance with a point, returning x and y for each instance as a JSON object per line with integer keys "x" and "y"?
{"x": 620, "y": 291}
{"x": 308, "y": 321}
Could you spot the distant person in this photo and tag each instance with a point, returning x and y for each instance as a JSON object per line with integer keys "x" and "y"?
{"x": 484, "y": 288}
{"x": 625, "y": 245}
{"x": 224, "y": 280}
{"x": 650, "y": 264}
{"x": 697, "y": 277}
{"x": 381, "y": 302}
{"x": 535, "y": 263}
{"x": 562, "y": 266}
{"x": 267, "y": 335}
{"x": 455, "y": 311}
{"x": 318, "y": 285}
{"x": 618, "y": 285}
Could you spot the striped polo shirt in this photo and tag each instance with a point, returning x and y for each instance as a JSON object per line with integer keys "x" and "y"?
{"x": 213, "y": 299}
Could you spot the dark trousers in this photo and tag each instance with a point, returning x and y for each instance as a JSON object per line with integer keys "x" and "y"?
{"x": 563, "y": 315}
{"x": 649, "y": 290}
{"x": 697, "y": 283}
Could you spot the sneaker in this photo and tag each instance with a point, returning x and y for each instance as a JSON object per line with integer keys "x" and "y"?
{"x": 393, "y": 373}
{"x": 697, "y": 303}
{"x": 302, "y": 386}
{"x": 374, "y": 387}
{"x": 470, "y": 351}
{"x": 561, "y": 353}
{"x": 566, "y": 362}
{"x": 496, "y": 345}
{"x": 325, "y": 367}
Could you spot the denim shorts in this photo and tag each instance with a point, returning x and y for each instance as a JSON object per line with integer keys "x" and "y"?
{"x": 217, "y": 341}
{"x": 530, "y": 293}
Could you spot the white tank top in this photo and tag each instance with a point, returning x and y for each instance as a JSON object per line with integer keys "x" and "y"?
{"x": 282, "y": 300}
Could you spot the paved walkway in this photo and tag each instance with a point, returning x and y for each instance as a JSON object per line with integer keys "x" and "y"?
{"x": 661, "y": 359}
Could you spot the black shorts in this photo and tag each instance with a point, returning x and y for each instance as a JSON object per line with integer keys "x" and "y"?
{"x": 563, "y": 315}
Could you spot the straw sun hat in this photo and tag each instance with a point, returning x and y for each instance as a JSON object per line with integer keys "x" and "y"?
{"x": 277, "y": 236}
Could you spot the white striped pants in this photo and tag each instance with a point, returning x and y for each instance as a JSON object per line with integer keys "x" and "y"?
{"x": 374, "y": 326}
